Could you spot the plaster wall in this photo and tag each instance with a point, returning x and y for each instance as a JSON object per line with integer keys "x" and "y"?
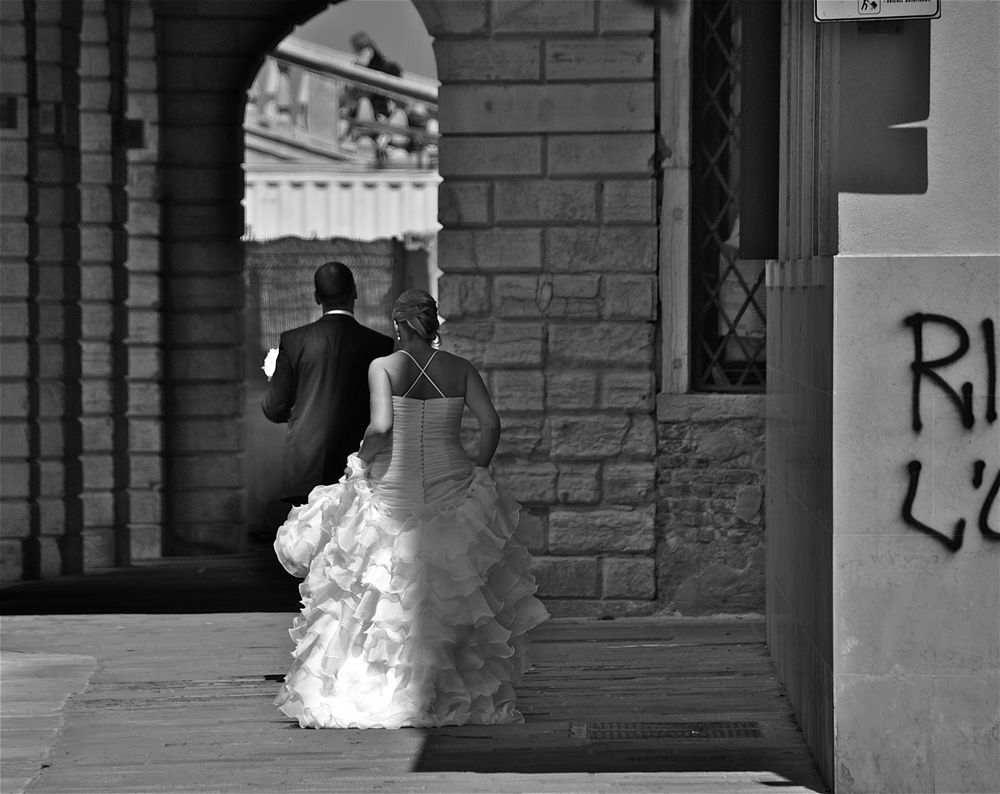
{"x": 917, "y": 538}
{"x": 916, "y": 557}
{"x": 800, "y": 526}
{"x": 919, "y": 149}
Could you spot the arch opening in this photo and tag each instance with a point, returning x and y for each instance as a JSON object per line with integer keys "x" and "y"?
{"x": 340, "y": 163}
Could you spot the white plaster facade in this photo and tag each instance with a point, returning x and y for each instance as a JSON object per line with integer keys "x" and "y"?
{"x": 883, "y": 554}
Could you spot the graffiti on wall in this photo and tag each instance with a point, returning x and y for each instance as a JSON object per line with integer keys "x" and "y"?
{"x": 962, "y": 399}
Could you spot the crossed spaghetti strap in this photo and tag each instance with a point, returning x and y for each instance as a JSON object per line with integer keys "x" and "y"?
{"x": 423, "y": 373}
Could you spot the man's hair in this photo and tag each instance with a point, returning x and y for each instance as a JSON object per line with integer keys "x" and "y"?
{"x": 334, "y": 284}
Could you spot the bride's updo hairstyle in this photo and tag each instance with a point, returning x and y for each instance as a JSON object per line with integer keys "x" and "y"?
{"x": 417, "y": 309}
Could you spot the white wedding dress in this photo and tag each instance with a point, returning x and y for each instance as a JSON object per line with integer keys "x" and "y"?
{"x": 416, "y": 596}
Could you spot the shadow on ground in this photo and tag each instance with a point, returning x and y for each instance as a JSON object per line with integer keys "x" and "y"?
{"x": 626, "y": 697}
{"x": 253, "y": 582}
{"x": 562, "y": 749}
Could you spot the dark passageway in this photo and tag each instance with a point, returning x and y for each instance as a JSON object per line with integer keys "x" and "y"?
{"x": 252, "y": 582}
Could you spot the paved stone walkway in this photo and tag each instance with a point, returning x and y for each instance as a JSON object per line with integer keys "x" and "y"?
{"x": 170, "y": 702}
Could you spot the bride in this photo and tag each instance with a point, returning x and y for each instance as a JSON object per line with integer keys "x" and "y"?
{"x": 416, "y": 597}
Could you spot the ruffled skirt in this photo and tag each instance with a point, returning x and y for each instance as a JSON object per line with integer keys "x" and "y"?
{"x": 411, "y": 617}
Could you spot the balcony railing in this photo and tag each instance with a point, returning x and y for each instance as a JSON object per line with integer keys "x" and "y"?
{"x": 312, "y": 102}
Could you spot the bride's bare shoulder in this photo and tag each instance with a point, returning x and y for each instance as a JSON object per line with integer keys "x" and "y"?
{"x": 390, "y": 363}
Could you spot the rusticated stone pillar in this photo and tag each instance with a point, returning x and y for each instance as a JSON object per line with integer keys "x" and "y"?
{"x": 549, "y": 261}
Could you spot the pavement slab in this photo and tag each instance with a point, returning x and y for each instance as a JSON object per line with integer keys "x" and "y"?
{"x": 166, "y": 703}
{"x": 34, "y": 690}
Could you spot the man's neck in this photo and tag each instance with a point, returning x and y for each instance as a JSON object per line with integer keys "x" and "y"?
{"x": 338, "y": 310}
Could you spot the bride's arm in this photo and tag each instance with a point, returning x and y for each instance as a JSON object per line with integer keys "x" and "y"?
{"x": 478, "y": 401}
{"x": 380, "y": 425}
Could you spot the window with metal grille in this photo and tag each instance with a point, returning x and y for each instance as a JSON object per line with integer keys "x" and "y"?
{"x": 734, "y": 169}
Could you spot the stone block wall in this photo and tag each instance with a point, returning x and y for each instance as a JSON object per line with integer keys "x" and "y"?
{"x": 123, "y": 333}
{"x": 710, "y": 484}
{"x": 549, "y": 255}
{"x": 208, "y": 51}
{"x": 18, "y": 311}
{"x": 72, "y": 452}
{"x": 43, "y": 435}
{"x": 103, "y": 247}
{"x": 143, "y": 278}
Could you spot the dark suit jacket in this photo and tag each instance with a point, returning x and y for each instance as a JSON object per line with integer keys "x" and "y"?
{"x": 320, "y": 387}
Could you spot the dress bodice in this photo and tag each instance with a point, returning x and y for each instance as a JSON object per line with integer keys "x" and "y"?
{"x": 425, "y": 462}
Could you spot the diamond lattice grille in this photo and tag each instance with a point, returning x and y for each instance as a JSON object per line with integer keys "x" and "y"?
{"x": 728, "y": 312}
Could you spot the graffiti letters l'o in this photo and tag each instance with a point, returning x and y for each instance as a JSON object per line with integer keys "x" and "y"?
{"x": 921, "y": 369}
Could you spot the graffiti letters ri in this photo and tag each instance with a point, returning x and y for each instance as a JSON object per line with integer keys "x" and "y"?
{"x": 961, "y": 398}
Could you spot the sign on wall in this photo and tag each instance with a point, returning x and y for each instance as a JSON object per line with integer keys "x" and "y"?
{"x": 847, "y": 10}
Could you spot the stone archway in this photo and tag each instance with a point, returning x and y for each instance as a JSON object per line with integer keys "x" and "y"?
{"x": 208, "y": 53}
{"x": 548, "y": 253}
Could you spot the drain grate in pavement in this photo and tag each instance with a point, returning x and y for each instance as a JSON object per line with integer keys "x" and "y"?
{"x": 618, "y": 731}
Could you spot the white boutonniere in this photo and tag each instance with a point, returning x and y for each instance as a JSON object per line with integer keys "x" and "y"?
{"x": 270, "y": 362}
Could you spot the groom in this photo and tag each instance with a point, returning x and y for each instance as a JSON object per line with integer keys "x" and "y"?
{"x": 320, "y": 386}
